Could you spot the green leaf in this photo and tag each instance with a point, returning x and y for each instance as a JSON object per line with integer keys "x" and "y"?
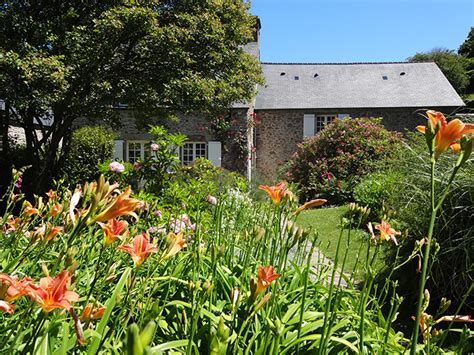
{"x": 109, "y": 306}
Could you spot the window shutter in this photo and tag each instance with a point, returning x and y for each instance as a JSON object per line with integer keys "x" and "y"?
{"x": 214, "y": 153}
{"x": 340, "y": 116}
{"x": 118, "y": 150}
{"x": 308, "y": 125}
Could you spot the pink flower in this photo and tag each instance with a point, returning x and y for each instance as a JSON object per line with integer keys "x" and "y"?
{"x": 154, "y": 147}
{"x": 212, "y": 200}
{"x": 327, "y": 176}
{"x": 116, "y": 167}
{"x": 137, "y": 166}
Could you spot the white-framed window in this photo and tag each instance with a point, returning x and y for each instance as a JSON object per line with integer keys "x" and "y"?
{"x": 322, "y": 121}
{"x": 136, "y": 150}
{"x": 191, "y": 151}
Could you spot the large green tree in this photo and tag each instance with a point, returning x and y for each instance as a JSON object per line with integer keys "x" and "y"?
{"x": 72, "y": 59}
{"x": 453, "y": 66}
{"x": 467, "y": 51}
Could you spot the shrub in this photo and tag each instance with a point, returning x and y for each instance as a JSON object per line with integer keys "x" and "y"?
{"x": 90, "y": 146}
{"x": 375, "y": 191}
{"x": 193, "y": 183}
{"x": 333, "y": 161}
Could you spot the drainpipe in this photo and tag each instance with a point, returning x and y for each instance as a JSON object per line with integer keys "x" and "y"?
{"x": 250, "y": 138}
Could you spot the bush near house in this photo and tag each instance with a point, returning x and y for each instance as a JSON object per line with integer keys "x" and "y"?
{"x": 333, "y": 161}
{"x": 90, "y": 145}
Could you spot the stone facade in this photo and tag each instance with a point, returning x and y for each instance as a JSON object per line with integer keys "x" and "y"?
{"x": 197, "y": 128}
{"x": 280, "y": 131}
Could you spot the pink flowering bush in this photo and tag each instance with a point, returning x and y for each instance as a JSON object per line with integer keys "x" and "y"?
{"x": 334, "y": 160}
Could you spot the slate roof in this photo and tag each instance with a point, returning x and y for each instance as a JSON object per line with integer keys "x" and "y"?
{"x": 355, "y": 85}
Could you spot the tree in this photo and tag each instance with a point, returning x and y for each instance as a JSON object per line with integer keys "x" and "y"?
{"x": 467, "y": 47}
{"x": 467, "y": 51}
{"x": 453, "y": 66}
{"x": 72, "y": 59}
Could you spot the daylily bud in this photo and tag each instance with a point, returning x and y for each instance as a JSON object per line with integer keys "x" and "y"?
{"x": 263, "y": 301}
{"x": 234, "y": 296}
{"x": 147, "y": 334}
{"x": 444, "y": 304}
{"x": 426, "y": 300}
{"x": 466, "y": 150}
{"x": 134, "y": 343}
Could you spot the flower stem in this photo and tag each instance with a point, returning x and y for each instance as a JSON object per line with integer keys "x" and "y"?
{"x": 434, "y": 210}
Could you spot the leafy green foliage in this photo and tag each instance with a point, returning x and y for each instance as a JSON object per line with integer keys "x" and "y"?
{"x": 375, "y": 191}
{"x": 90, "y": 145}
{"x": 453, "y": 66}
{"x": 331, "y": 163}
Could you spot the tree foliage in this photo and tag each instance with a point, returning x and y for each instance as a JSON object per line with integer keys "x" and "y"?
{"x": 467, "y": 47}
{"x": 467, "y": 51}
{"x": 79, "y": 59}
{"x": 453, "y": 66}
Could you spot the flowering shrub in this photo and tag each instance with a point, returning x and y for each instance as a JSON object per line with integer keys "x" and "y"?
{"x": 155, "y": 171}
{"x": 333, "y": 161}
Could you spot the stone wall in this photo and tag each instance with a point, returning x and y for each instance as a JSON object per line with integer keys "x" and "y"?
{"x": 280, "y": 131}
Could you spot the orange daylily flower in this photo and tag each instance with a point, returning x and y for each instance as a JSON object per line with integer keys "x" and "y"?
{"x": 55, "y": 209}
{"x": 387, "y": 232}
{"x": 6, "y": 307}
{"x": 51, "y": 194}
{"x": 53, "y": 232}
{"x": 266, "y": 275}
{"x": 120, "y": 206}
{"x": 12, "y": 223}
{"x": 29, "y": 209}
{"x": 40, "y": 232}
{"x": 139, "y": 249}
{"x": 426, "y": 321}
{"x": 91, "y": 313}
{"x": 277, "y": 192}
{"x": 449, "y": 134}
{"x": 16, "y": 288}
{"x": 310, "y": 204}
{"x": 176, "y": 243}
{"x": 53, "y": 293}
{"x": 112, "y": 230}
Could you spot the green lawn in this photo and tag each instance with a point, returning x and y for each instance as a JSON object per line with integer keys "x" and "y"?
{"x": 326, "y": 221}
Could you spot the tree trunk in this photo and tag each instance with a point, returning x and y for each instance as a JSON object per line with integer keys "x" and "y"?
{"x": 5, "y": 158}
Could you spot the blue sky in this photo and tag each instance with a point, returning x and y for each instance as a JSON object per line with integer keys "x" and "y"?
{"x": 359, "y": 30}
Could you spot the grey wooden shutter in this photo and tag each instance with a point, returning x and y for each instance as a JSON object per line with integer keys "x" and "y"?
{"x": 308, "y": 125}
{"x": 214, "y": 153}
{"x": 118, "y": 149}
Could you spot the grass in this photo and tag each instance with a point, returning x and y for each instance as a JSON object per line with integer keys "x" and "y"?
{"x": 326, "y": 221}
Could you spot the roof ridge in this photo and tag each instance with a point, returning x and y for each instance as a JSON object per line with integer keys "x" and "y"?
{"x": 341, "y": 63}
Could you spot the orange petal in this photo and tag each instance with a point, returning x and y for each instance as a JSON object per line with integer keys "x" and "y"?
{"x": 421, "y": 129}
{"x": 455, "y": 147}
